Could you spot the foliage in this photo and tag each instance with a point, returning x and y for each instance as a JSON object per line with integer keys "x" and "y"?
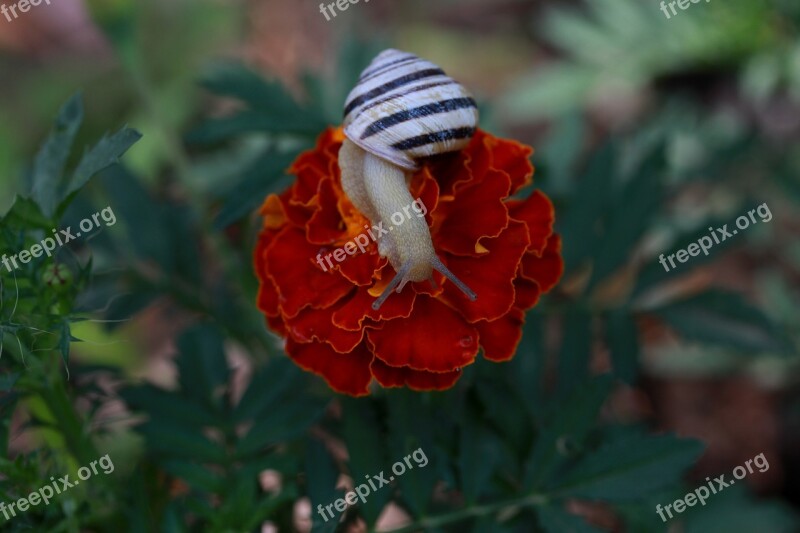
{"x": 511, "y": 448}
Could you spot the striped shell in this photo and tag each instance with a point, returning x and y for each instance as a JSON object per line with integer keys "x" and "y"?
{"x": 404, "y": 109}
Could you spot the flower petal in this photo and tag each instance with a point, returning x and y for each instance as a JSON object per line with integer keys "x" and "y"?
{"x": 538, "y": 213}
{"x": 299, "y": 279}
{"x": 475, "y": 212}
{"x": 345, "y": 372}
{"x": 499, "y": 338}
{"x": 316, "y": 325}
{"x": 389, "y": 376}
{"x": 434, "y": 338}
{"x": 547, "y": 269}
{"x": 491, "y": 276}
{"x": 358, "y": 309}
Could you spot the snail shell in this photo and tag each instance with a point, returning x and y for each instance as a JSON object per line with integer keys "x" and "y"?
{"x": 404, "y": 109}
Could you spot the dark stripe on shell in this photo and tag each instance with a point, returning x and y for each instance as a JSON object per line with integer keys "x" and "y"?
{"x": 418, "y": 112}
{"x": 383, "y": 69}
{"x": 431, "y": 138}
{"x": 409, "y": 91}
{"x": 394, "y": 84}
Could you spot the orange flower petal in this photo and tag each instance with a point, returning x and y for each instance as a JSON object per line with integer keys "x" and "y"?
{"x": 433, "y": 338}
{"x": 299, "y": 280}
{"x": 345, "y": 372}
{"x": 499, "y": 338}
{"x": 358, "y": 309}
{"x": 490, "y": 276}
{"x": 547, "y": 269}
{"x": 477, "y": 211}
{"x": 538, "y": 213}
{"x": 389, "y": 376}
{"x": 316, "y": 325}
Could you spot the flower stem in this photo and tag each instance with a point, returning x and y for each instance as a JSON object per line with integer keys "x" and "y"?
{"x": 432, "y": 522}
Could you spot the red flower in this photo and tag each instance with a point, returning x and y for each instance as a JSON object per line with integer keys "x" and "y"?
{"x": 504, "y": 249}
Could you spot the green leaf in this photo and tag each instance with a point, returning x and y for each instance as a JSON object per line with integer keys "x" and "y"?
{"x": 478, "y": 455}
{"x": 655, "y": 273}
{"x": 105, "y": 153}
{"x": 222, "y": 129}
{"x": 550, "y": 92}
{"x": 526, "y": 369}
{"x": 48, "y": 168}
{"x": 629, "y": 219}
{"x": 202, "y": 365}
{"x": 263, "y": 177}
{"x": 168, "y": 407}
{"x": 26, "y": 214}
{"x": 195, "y": 475}
{"x": 622, "y": 338}
{"x": 725, "y": 319}
{"x": 566, "y": 426}
{"x": 363, "y": 432}
{"x": 270, "y": 99}
{"x": 734, "y": 511}
{"x": 556, "y": 519}
{"x": 270, "y": 386}
{"x": 323, "y": 477}
{"x": 281, "y": 424}
{"x": 170, "y": 440}
{"x": 576, "y": 349}
{"x": 578, "y": 225}
{"x": 64, "y": 340}
{"x": 629, "y": 468}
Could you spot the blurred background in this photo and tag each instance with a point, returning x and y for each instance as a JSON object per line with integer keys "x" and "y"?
{"x": 647, "y": 131}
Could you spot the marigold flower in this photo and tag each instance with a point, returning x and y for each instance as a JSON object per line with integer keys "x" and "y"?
{"x": 504, "y": 248}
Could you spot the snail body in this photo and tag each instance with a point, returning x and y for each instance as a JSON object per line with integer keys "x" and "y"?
{"x": 402, "y": 110}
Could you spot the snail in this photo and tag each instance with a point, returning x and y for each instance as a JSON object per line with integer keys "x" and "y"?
{"x": 402, "y": 110}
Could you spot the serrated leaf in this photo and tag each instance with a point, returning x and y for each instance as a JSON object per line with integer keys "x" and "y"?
{"x": 629, "y": 219}
{"x": 270, "y": 98}
{"x": 363, "y": 432}
{"x": 576, "y": 349}
{"x": 168, "y": 406}
{"x": 196, "y": 475}
{"x": 48, "y": 168}
{"x": 655, "y": 273}
{"x": 627, "y": 469}
{"x": 265, "y": 175}
{"x": 725, "y": 319}
{"x": 282, "y": 424}
{"x": 105, "y": 153}
{"x": 25, "y": 213}
{"x": 202, "y": 365}
{"x": 268, "y": 388}
{"x": 478, "y": 454}
{"x": 174, "y": 441}
{"x": 622, "y": 338}
{"x": 578, "y": 224}
{"x": 569, "y": 420}
{"x": 323, "y": 477}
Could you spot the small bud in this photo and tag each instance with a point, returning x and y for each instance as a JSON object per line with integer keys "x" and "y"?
{"x": 57, "y": 276}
